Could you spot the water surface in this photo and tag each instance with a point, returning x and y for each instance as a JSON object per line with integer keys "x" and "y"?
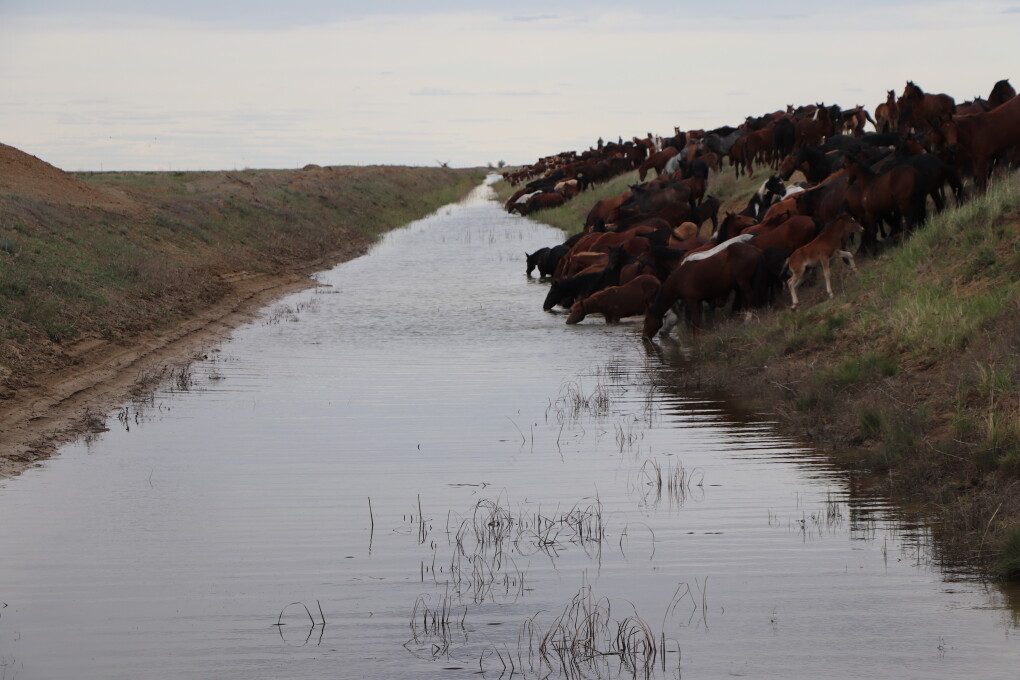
{"x": 424, "y": 459}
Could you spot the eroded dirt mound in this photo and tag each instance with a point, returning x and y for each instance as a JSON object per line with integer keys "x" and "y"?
{"x": 26, "y": 176}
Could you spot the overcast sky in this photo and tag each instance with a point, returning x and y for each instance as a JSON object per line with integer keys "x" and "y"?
{"x": 201, "y": 85}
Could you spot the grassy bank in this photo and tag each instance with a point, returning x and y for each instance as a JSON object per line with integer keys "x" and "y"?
{"x": 910, "y": 373}
{"x": 113, "y": 255}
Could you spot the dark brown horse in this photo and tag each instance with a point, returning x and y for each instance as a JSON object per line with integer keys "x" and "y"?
{"x": 670, "y": 201}
{"x": 735, "y": 268}
{"x": 980, "y": 136}
{"x": 918, "y": 109}
{"x": 824, "y": 202}
{"x": 1001, "y": 93}
{"x": 890, "y": 196}
{"x": 813, "y": 131}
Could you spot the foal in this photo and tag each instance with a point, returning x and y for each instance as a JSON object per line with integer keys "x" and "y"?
{"x": 820, "y": 251}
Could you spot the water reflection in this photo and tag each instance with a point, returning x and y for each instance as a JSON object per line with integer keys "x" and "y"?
{"x": 451, "y": 480}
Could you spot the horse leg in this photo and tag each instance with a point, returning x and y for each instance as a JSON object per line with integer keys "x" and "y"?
{"x": 795, "y": 280}
{"x": 656, "y": 311}
{"x": 847, "y": 257}
{"x": 694, "y": 313}
{"x": 828, "y": 277}
{"x": 981, "y": 174}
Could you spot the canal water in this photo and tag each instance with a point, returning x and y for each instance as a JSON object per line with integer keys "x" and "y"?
{"x": 412, "y": 471}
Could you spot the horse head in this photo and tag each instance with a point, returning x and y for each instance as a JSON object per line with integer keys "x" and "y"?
{"x": 946, "y": 134}
{"x": 577, "y": 312}
{"x": 775, "y": 185}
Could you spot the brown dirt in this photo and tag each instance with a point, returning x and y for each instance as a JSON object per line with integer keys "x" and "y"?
{"x": 67, "y": 403}
{"x": 53, "y": 392}
{"x": 27, "y": 176}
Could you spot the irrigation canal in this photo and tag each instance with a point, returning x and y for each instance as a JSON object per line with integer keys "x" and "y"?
{"x": 414, "y": 472}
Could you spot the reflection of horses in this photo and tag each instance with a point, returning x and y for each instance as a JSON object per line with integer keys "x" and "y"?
{"x": 709, "y": 280}
{"x": 616, "y": 302}
{"x": 980, "y": 136}
{"x": 820, "y": 251}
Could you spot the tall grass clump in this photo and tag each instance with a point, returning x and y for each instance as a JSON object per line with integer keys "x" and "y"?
{"x": 1008, "y": 564}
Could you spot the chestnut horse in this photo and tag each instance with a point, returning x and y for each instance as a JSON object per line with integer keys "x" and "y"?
{"x": 614, "y": 303}
{"x": 657, "y": 161}
{"x": 887, "y": 114}
{"x": 820, "y": 251}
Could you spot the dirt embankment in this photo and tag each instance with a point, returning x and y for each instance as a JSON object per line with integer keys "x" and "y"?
{"x": 109, "y": 281}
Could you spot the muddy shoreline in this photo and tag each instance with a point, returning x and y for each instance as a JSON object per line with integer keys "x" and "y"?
{"x": 77, "y": 400}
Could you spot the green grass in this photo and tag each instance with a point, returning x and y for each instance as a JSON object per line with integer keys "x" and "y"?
{"x": 66, "y": 271}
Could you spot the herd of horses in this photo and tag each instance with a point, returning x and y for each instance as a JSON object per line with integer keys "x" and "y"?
{"x": 646, "y": 251}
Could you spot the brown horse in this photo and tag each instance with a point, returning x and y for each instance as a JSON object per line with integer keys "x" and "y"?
{"x": 820, "y": 251}
{"x": 887, "y": 114}
{"x": 980, "y": 136}
{"x": 918, "y": 109}
{"x": 670, "y": 201}
{"x": 712, "y": 279}
{"x": 789, "y": 235}
{"x": 876, "y": 196}
{"x": 657, "y": 161}
{"x": 1001, "y": 93}
{"x": 824, "y": 202}
{"x": 614, "y": 303}
{"x": 607, "y": 210}
{"x": 813, "y": 131}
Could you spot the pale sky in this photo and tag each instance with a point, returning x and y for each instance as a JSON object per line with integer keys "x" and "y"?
{"x": 222, "y": 85}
